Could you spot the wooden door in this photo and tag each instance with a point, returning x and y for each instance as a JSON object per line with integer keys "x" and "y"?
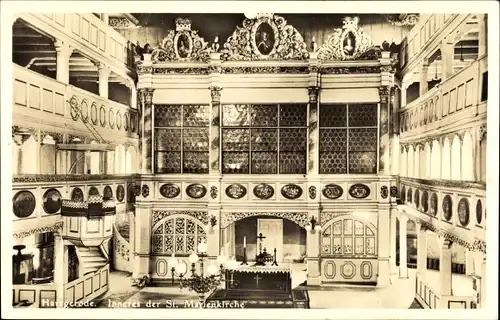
{"x": 272, "y": 230}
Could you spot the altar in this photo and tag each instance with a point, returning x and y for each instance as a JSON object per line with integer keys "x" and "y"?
{"x": 253, "y": 277}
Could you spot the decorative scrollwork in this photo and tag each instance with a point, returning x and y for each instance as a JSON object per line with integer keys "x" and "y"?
{"x": 214, "y": 193}
{"x": 182, "y": 44}
{"x": 384, "y": 192}
{"x": 394, "y": 191}
{"x": 145, "y": 191}
{"x": 300, "y": 218}
{"x": 332, "y": 191}
{"x": 183, "y": 71}
{"x": 349, "y": 43}
{"x": 266, "y": 37}
{"x": 265, "y": 70}
{"x": 201, "y": 216}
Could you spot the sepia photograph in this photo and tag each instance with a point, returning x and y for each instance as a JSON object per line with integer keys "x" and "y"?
{"x": 324, "y": 158}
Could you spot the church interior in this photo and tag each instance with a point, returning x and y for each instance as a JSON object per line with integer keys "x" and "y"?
{"x": 271, "y": 160}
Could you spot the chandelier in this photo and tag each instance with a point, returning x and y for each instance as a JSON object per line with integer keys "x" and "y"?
{"x": 203, "y": 284}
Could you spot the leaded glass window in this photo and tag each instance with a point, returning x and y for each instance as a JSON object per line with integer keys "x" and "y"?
{"x": 179, "y": 235}
{"x": 348, "y": 138}
{"x": 181, "y": 138}
{"x": 263, "y": 139}
{"x": 348, "y": 237}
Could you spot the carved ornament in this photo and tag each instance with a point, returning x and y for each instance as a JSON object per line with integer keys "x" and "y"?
{"x": 265, "y": 37}
{"x": 52, "y": 228}
{"x": 265, "y": 70}
{"x": 215, "y": 93}
{"x": 300, "y": 218}
{"x": 183, "y": 71}
{"x": 158, "y": 215}
{"x": 349, "y": 43}
{"x": 182, "y": 45}
{"x": 349, "y": 70}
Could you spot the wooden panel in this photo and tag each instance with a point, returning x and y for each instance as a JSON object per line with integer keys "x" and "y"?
{"x": 34, "y": 97}
{"x": 461, "y": 97}
{"x": 85, "y": 29}
{"x": 93, "y": 226}
{"x": 446, "y": 104}
{"x": 47, "y": 100}
{"x": 75, "y": 25}
{"x": 88, "y": 286}
{"x": 345, "y": 270}
{"x": 102, "y": 40}
{"x": 20, "y": 95}
{"x": 119, "y": 52}
{"x": 59, "y": 103}
{"x": 69, "y": 294}
{"x": 74, "y": 223}
{"x": 351, "y": 95}
{"x": 60, "y": 19}
{"x": 112, "y": 46}
{"x": 104, "y": 278}
{"x": 97, "y": 282}
{"x": 47, "y": 297}
{"x": 470, "y": 93}
{"x": 453, "y": 101}
{"x": 79, "y": 291}
{"x": 28, "y": 295}
{"x": 93, "y": 35}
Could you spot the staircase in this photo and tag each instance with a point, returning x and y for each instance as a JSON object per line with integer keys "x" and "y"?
{"x": 92, "y": 259}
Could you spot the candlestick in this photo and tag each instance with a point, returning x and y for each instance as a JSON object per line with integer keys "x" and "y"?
{"x": 244, "y": 242}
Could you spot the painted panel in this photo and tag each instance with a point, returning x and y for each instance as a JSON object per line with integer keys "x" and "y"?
{"x": 79, "y": 291}
{"x": 93, "y": 226}
{"x": 470, "y": 96}
{"x": 461, "y": 97}
{"x": 69, "y": 295}
{"x": 349, "y": 270}
{"x": 28, "y": 295}
{"x": 34, "y": 97}
{"x": 102, "y": 40}
{"x": 60, "y": 19}
{"x": 104, "y": 278}
{"x": 20, "y": 93}
{"x": 75, "y": 27}
{"x": 85, "y": 29}
{"x": 47, "y": 100}
{"x": 93, "y": 35}
{"x": 88, "y": 286}
{"x": 59, "y": 104}
{"x": 97, "y": 282}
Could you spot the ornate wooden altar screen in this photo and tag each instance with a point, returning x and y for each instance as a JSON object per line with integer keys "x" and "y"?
{"x": 235, "y": 130}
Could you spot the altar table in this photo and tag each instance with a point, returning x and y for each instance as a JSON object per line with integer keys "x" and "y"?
{"x": 273, "y": 278}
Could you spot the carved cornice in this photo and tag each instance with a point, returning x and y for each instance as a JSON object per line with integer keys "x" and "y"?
{"x": 182, "y": 44}
{"x": 52, "y": 228}
{"x": 158, "y": 215}
{"x": 121, "y": 23}
{"x": 445, "y": 183}
{"x": 300, "y": 218}
{"x": 266, "y": 69}
{"x": 477, "y": 245}
{"x": 265, "y": 37}
{"x": 384, "y": 93}
{"x": 408, "y": 19}
{"x": 35, "y": 178}
{"x": 349, "y": 43}
{"x": 140, "y": 68}
{"x": 349, "y": 70}
{"x": 182, "y": 71}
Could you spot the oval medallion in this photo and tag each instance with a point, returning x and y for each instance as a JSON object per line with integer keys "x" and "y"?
{"x": 409, "y": 195}
{"x": 291, "y": 191}
{"x": 102, "y": 116}
{"x": 23, "y": 204}
{"x": 111, "y": 118}
{"x": 463, "y": 212}
{"x": 333, "y": 191}
{"x": 359, "y": 191}
{"x": 403, "y": 194}
{"x": 417, "y": 199}
{"x": 263, "y": 191}
{"x": 184, "y": 45}
{"x": 77, "y": 194}
{"x": 107, "y": 193}
{"x": 264, "y": 39}
{"x": 447, "y": 203}
{"x": 196, "y": 190}
{"x": 118, "y": 120}
{"x": 170, "y": 190}
{"x": 479, "y": 211}
{"x": 434, "y": 204}
{"x": 84, "y": 109}
{"x": 425, "y": 201}
{"x": 236, "y": 191}
{"x": 125, "y": 121}
{"x": 93, "y": 113}
{"x": 52, "y": 201}
{"x": 120, "y": 193}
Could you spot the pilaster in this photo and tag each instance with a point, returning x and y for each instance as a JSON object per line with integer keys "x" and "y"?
{"x": 424, "y": 68}
{"x": 445, "y": 266}
{"x": 313, "y": 260}
{"x": 63, "y": 53}
{"x": 142, "y": 241}
{"x": 447, "y": 54}
{"x": 104, "y": 73}
{"x": 384, "y": 251}
{"x": 146, "y": 132}
{"x": 214, "y": 155}
{"x": 394, "y": 214}
{"x": 421, "y": 250}
{"x": 60, "y": 266}
{"x": 403, "y": 245}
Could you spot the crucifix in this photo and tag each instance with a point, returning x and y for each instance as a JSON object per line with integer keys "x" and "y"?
{"x": 260, "y": 237}
{"x": 257, "y": 278}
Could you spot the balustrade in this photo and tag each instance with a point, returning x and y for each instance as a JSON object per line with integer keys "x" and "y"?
{"x": 70, "y": 109}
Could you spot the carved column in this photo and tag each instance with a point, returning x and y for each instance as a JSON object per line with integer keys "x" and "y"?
{"x": 63, "y": 52}
{"x": 142, "y": 241}
{"x": 215, "y": 93}
{"x": 146, "y": 129}
{"x": 313, "y": 166}
{"x": 384, "y": 127}
{"x": 421, "y": 250}
{"x": 312, "y": 260}
{"x": 424, "y": 68}
{"x": 445, "y": 277}
{"x": 104, "y": 73}
{"x": 403, "y": 245}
